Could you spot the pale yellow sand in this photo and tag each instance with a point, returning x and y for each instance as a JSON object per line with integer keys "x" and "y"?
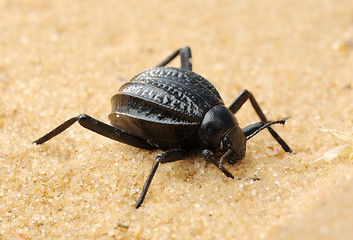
{"x": 62, "y": 58}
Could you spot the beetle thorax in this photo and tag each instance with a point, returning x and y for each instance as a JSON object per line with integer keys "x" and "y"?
{"x": 220, "y": 131}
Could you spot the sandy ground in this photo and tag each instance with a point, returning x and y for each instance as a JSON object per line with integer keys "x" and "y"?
{"x": 62, "y": 58}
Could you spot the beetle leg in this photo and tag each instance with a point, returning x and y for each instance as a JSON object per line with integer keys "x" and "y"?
{"x": 185, "y": 57}
{"x": 165, "y": 157}
{"x": 98, "y": 127}
{"x": 255, "y": 128}
{"x": 238, "y": 103}
{"x": 208, "y": 155}
{"x": 250, "y": 129}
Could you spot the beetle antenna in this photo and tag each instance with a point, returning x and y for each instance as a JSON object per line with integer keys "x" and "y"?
{"x": 255, "y": 128}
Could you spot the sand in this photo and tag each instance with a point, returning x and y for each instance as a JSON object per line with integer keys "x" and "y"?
{"x": 62, "y": 58}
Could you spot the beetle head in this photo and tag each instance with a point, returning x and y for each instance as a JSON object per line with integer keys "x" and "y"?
{"x": 220, "y": 132}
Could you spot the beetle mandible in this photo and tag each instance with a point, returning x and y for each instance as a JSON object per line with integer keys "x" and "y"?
{"x": 176, "y": 110}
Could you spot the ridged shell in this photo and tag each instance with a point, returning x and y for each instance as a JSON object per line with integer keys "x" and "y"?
{"x": 180, "y": 91}
{"x": 163, "y": 105}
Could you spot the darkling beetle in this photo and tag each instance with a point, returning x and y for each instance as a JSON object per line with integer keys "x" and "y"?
{"x": 176, "y": 110}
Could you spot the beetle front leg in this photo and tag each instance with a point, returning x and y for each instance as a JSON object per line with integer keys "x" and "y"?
{"x": 98, "y": 127}
{"x": 185, "y": 58}
{"x": 165, "y": 157}
{"x": 238, "y": 103}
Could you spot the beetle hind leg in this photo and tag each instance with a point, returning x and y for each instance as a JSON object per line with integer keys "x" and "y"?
{"x": 185, "y": 58}
{"x": 238, "y": 103}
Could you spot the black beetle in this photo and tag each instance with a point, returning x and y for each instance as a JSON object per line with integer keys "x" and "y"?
{"x": 176, "y": 110}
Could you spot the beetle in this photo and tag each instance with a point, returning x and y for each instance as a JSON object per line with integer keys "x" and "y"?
{"x": 176, "y": 110}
